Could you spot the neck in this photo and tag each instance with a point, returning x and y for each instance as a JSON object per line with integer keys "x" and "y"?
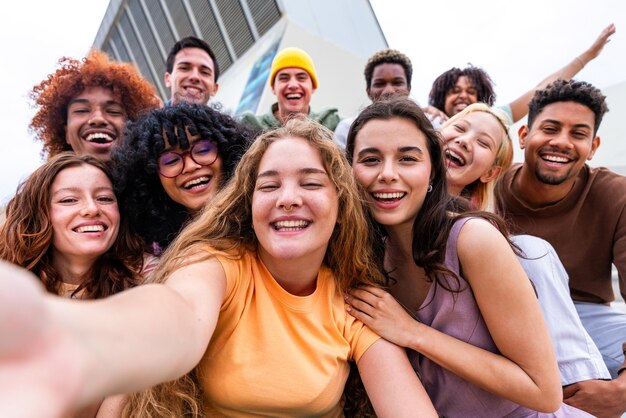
{"x": 297, "y": 276}
{"x": 285, "y": 115}
{"x": 399, "y": 244}
{"x": 72, "y": 270}
{"x": 537, "y": 194}
{"x": 455, "y": 189}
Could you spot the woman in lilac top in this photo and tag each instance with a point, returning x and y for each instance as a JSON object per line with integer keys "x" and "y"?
{"x": 480, "y": 343}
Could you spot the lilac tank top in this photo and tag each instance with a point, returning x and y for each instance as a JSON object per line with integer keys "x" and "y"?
{"x": 457, "y": 315}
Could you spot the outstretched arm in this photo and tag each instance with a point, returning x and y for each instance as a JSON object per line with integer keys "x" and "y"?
{"x": 519, "y": 106}
{"x": 526, "y": 371}
{"x": 391, "y": 383}
{"x": 64, "y": 354}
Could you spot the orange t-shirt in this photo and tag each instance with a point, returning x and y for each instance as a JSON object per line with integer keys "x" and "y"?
{"x": 276, "y": 354}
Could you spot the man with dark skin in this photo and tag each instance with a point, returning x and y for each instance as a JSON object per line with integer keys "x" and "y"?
{"x": 581, "y": 211}
{"x": 387, "y": 73}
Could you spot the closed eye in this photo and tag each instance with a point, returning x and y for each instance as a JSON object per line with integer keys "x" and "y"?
{"x": 368, "y": 160}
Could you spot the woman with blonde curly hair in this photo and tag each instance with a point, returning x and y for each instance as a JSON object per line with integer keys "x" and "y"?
{"x": 250, "y": 298}
{"x": 83, "y": 107}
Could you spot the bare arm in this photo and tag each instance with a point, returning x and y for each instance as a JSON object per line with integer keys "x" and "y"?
{"x": 519, "y": 106}
{"x": 391, "y": 383}
{"x": 526, "y": 370}
{"x": 79, "y": 352}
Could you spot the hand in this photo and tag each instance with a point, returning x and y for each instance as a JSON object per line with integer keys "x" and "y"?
{"x": 435, "y": 114}
{"x": 36, "y": 378}
{"x": 382, "y": 313}
{"x": 595, "y": 49}
{"x": 601, "y": 398}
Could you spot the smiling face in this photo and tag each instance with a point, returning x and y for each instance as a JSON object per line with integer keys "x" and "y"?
{"x": 192, "y": 78}
{"x": 462, "y": 95}
{"x": 293, "y": 88}
{"x": 392, "y": 162}
{"x": 471, "y": 146}
{"x": 95, "y": 122}
{"x": 388, "y": 79}
{"x": 84, "y": 215}
{"x": 196, "y": 184}
{"x": 294, "y": 204}
{"x": 559, "y": 143}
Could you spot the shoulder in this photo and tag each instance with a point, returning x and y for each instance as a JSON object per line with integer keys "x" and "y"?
{"x": 479, "y": 234}
{"x": 328, "y": 117}
{"x": 602, "y": 175}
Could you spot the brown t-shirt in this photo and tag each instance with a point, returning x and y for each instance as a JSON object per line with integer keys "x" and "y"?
{"x": 587, "y": 229}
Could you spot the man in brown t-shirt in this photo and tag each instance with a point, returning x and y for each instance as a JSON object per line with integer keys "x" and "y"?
{"x": 581, "y": 211}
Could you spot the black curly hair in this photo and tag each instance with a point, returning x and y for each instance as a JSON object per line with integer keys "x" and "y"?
{"x": 155, "y": 217}
{"x": 446, "y": 82}
{"x": 569, "y": 91}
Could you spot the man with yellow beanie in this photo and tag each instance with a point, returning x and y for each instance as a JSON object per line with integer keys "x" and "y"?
{"x": 293, "y": 80}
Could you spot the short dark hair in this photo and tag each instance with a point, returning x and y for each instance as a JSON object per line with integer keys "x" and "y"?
{"x": 388, "y": 56}
{"x": 191, "y": 42}
{"x": 446, "y": 82}
{"x": 153, "y": 214}
{"x": 569, "y": 91}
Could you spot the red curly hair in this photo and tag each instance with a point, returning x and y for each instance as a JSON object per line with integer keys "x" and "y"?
{"x": 53, "y": 95}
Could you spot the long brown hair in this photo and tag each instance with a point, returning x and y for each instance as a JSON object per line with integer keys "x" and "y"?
{"x": 227, "y": 225}
{"x": 26, "y": 235}
{"x": 439, "y": 211}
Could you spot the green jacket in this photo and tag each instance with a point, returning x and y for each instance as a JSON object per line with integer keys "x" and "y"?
{"x": 328, "y": 117}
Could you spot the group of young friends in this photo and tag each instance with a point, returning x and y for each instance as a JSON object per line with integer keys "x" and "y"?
{"x": 198, "y": 265}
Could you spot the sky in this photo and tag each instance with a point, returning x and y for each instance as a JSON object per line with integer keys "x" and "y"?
{"x": 517, "y": 42}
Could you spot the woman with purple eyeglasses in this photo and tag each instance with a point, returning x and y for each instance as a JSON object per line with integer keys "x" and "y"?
{"x": 172, "y": 162}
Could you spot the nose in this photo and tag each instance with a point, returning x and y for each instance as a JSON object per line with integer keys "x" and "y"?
{"x": 194, "y": 75}
{"x": 561, "y": 140}
{"x": 388, "y": 89}
{"x": 89, "y": 208}
{"x": 189, "y": 165}
{"x": 290, "y": 197}
{"x": 462, "y": 142}
{"x": 97, "y": 118}
{"x": 388, "y": 172}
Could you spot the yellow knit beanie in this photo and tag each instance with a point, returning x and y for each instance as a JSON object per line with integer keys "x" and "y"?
{"x": 293, "y": 57}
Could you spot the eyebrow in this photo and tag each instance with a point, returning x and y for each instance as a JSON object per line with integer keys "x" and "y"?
{"x": 191, "y": 63}
{"x": 375, "y": 150}
{"x": 85, "y": 101}
{"x": 77, "y": 189}
{"x": 307, "y": 170}
{"x": 558, "y": 122}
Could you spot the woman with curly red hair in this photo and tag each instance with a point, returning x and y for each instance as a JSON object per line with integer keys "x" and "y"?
{"x": 83, "y": 107}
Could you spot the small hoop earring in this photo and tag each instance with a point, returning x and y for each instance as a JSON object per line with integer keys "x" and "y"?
{"x": 430, "y": 188}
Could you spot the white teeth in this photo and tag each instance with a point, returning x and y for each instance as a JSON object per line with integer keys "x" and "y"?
{"x": 99, "y": 135}
{"x": 456, "y": 156}
{"x": 90, "y": 228}
{"x": 396, "y": 195}
{"x": 195, "y": 182}
{"x": 290, "y": 225}
{"x": 194, "y": 90}
{"x": 294, "y": 96}
{"x": 555, "y": 159}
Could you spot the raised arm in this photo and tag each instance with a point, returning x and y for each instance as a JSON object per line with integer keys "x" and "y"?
{"x": 65, "y": 354}
{"x": 519, "y": 106}
{"x": 526, "y": 370}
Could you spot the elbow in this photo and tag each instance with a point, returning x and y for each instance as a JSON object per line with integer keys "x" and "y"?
{"x": 549, "y": 400}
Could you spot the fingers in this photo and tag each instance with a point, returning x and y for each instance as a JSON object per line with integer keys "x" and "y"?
{"x": 570, "y": 391}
